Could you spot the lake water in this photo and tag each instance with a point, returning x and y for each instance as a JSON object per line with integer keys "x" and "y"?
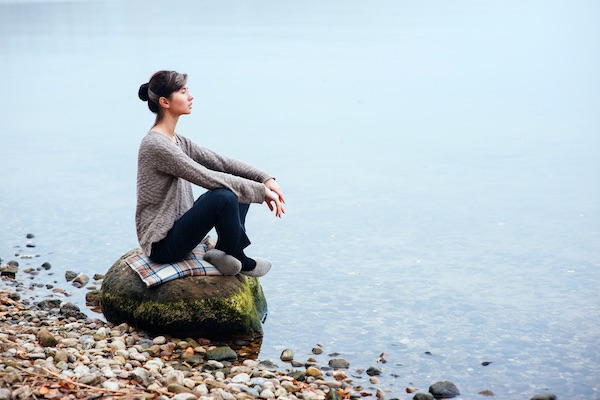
{"x": 440, "y": 161}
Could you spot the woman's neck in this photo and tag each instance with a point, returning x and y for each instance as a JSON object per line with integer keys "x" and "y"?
{"x": 166, "y": 126}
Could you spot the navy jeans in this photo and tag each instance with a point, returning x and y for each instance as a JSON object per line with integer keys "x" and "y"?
{"x": 217, "y": 208}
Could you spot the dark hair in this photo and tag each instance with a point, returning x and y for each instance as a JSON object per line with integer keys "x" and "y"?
{"x": 161, "y": 84}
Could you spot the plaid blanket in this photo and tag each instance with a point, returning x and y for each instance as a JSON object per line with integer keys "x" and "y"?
{"x": 153, "y": 274}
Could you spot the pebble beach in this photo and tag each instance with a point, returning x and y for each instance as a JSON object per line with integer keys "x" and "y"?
{"x": 51, "y": 349}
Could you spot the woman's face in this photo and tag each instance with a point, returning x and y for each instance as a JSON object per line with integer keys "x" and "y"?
{"x": 181, "y": 101}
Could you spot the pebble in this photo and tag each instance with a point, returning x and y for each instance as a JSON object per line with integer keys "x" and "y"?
{"x": 70, "y": 275}
{"x": 338, "y": 363}
{"x": 444, "y": 389}
{"x": 287, "y": 355}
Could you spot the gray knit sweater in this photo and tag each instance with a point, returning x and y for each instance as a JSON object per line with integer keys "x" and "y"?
{"x": 164, "y": 192}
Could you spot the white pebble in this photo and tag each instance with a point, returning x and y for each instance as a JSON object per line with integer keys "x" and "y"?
{"x": 251, "y": 363}
{"x": 188, "y": 383}
{"x": 107, "y": 372}
{"x": 159, "y": 340}
{"x": 240, "y": 378}
{"x": 267, "y": 394}
{"x": 200, "y": 390}
{"x": 174, "y": 377}
{"x": 110, "y": 385}
{"x": 117, "y": 345}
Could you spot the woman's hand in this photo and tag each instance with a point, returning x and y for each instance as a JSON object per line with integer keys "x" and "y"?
{"x": 274, "y": 186}
{"x": 274, "y": 197}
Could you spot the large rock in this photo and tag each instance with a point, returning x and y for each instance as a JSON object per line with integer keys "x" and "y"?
{"x": 206, "y": 306}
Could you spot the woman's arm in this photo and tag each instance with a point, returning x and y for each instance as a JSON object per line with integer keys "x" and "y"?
{"x": 166, "y": 157}
{"x": 217, "y": 162}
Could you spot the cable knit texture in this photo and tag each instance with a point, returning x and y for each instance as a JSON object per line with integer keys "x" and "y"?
{"x": 164, "y": 192}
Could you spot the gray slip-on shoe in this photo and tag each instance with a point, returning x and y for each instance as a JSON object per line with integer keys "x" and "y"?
{"x": 226, "y": 264}
{"x": 262, "y": 267}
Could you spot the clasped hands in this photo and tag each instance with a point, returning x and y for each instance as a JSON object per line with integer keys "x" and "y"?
{"x": 274, "y": 197}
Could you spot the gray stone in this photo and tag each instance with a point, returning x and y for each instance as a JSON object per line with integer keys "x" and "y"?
{"x": 422, "y": 396}
{"x": 176, "y": 388}
{"x": 223, "y": 353}
{"x": 91, "y": 379}
{"x": 71, "y": 310}
{"x": 142, "y": 376}
{"x": 81, "y": 280}
{"x": 61, "y": 355}
{"x": 70, "y": 275}
{"x": 338, "y": 363}
{"x": 287, "y": 355}
{"x": 372, "y": 371}
{"x": 333, "y": 395}
{"x": 5, "y": 394}
{"x": 48, "y": 304}
{"x": 198, "y": 306}
{"x": 546, "y": 396}
{"x": 444, "y": 390}
{"x": 9, "y": 270}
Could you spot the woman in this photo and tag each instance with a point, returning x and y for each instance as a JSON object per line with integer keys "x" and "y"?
{"x": 169, "y": 222}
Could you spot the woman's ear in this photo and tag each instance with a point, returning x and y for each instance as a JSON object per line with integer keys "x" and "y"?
{"x": 163, "y": 102}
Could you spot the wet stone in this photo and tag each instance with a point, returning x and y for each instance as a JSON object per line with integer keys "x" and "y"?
{"x": 444, "y": 390}
{"x": 422, "y": 396}
{"x": 8, "y": 270}
{"x": 372, "y": 371}
{"x": 48, "y": 304}
{"x": 70, "y": 310}
{"x": 287, "y": 355}
{"x": 70, "y": 275}
{"x": 80, "y": 280}
{"x": 222, "y": 353}
{"x": 545, "y": 396}
{"x": 338, "y": 363}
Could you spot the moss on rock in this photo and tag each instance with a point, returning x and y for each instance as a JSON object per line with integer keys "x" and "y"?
{"x": 206, "y": 306}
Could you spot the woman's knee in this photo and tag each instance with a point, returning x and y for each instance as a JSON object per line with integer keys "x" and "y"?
{"x": 220, "y": 197}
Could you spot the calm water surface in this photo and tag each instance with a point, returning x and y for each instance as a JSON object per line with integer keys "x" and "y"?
{"x": 440, "y": 161}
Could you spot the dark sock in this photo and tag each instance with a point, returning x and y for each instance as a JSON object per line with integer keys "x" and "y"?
{"x": 248, "y": 264}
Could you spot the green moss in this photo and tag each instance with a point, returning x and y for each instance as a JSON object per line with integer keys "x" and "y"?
{"x": 241, "y": 312}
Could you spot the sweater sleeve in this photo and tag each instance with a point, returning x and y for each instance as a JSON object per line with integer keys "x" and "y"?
{"x": 170, "y": 159}
{"x": 217, "y": 162}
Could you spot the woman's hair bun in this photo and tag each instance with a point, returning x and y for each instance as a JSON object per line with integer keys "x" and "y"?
{"x": 143, "y": 92}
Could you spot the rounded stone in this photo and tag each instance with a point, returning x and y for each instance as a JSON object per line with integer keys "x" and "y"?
{"x": 287, "y": 355}
{"x": 222, "y": 353}
{"x": 444, "y": 390}
{"x": 545, "y": 396}
{"x": 314, "y": 372}
{"x": 338, "y": 363}
{"x": 197, "y": 306}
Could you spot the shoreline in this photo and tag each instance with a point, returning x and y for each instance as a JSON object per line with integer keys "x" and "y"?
{"x": 52, "y": 350}
{"x": 49, "y": 348}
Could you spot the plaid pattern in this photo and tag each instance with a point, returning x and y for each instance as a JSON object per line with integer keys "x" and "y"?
{"x": 153, "y": 274}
